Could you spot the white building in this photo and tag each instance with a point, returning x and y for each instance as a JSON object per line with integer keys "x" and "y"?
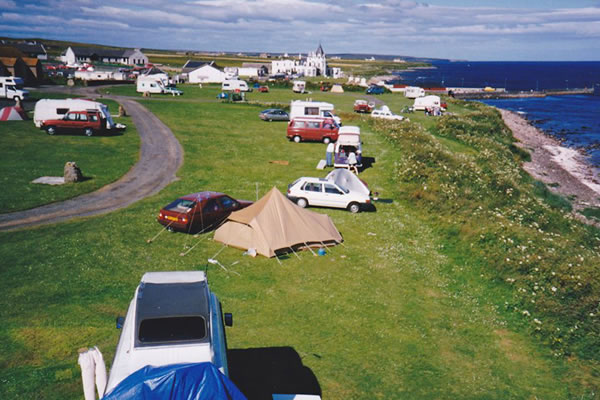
{"x": 283, "y": 67}
{"x": 77, "y": 55}
{"x": 315, "y": 64}
{"x": 206, "y": 74}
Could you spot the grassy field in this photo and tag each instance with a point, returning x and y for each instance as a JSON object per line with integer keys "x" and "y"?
{"x": 416, "y": 304}
{"x": 29, "y": 153}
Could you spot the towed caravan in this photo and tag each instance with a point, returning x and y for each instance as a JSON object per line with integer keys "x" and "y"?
{"x": 57, "y": 109}
{"x": 348, "y": 141}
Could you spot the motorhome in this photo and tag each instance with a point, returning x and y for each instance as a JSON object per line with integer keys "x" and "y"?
{"x": 173, "y": 318}
{"x": 10, "y": 88}
{"x": 423, "y": 103}
{"x": 301, "y": 108}
{"x": 235, "y": 85}
{"x": 299, "y": 86}
{"x": 53, "y": 109}
{"x": 412, "y": 92}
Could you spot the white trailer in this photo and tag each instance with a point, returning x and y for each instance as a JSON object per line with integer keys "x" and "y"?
{"x": 421, "y": 103}
{"x": 151, "y": 83}
{"x": 301, "y": 108}
{"x": 299, "y": 86}
{"x": 9, "y": 88}
{"x": 235, "y": 84}
{"x": 412, "y": 92}
{"x": 94, "y": 75}
{"x": 47, "y": 109}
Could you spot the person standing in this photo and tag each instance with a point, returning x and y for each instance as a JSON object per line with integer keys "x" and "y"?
{"x": 329, "y": 154}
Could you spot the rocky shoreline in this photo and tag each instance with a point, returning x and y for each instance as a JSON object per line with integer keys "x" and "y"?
{"x": 566, "y": 171}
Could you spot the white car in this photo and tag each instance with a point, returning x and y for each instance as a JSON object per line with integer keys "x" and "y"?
{"x": 339, "y": 189}
{"x": 385, "y": 113}
{"x": 173, "y": 318}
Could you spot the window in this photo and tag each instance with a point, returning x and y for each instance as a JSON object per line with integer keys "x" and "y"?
{"x": 93, "y": 117}
{"x": 299, "y": 124}
{"x": 172, "y": 329}
{"x": 83, "y": 117}
{"x": 228, "y": 203}
{"x": 331, "y": 189}
{"x": 72, "y": 117}
{"x": 62, "y": 111}
{"x": 181, "y": 205}
{"x": 312, "y": 187}
{"x": 311, "y": 111}
{"x": 211, "y": 206}
{"x": 314, "y": 125}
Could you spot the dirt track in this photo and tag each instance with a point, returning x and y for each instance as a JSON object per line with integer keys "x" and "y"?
{"x": 161, "y": 156}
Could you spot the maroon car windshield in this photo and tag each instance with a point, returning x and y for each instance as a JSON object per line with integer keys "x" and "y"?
{"x": 181, "y": 205}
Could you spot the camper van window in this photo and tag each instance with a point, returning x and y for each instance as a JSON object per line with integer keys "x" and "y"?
{"x": 314, "y": 124}
{"x": 299, "y": 124}
{"x": 172, "y": 329}
{"x": 62, "y": 111}
{"x": 311, "y": 111}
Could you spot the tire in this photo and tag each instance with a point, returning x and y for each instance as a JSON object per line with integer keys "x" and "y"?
{"x": 302, "y": 202}
{"x": 88, "y": 131}
{"x": 50, "y": 130}
{"x": 326, "y": 140}
{"x": 354, "y": 208}
{"x": 297, "y": 139}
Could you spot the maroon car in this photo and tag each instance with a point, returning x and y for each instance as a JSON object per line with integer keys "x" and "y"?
{"x": 199, "y": 212}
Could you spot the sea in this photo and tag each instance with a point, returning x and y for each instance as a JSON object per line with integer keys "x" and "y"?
{"x": 573, "y": 119}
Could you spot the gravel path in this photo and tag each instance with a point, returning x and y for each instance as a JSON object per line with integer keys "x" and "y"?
{"x": 161, "y": 156}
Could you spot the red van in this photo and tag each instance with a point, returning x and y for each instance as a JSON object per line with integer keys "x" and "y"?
{"x": 312, "y": 129}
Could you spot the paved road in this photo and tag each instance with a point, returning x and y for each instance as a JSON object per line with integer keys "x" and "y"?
{"x": 161, "y": 156}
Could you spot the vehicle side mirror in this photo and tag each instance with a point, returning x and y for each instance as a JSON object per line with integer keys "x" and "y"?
{"x": 228, "y": 319}
{"x": 120, "y": 321}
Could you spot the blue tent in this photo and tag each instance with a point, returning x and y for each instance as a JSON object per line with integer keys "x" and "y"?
{"x": 198, "y": 381}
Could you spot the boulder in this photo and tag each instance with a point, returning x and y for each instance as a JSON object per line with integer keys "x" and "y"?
{"x": 72, "y": 172}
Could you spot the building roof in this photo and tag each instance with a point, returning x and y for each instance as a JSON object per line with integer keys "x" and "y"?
{"x": 10, "y": 51}
{"x": 30, "y": 48}
{"x": 320, "y": 51}
{"x": 110, "y": 53}
{"x": 31, "y": 61}
{"x": 9, "y": 61}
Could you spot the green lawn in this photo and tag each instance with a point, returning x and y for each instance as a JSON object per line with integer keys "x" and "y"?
{"x": 28, "y": 153}
{"x": 403, "y": 309}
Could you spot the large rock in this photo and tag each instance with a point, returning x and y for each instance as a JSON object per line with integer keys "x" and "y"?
{"x": 72, "y": 172}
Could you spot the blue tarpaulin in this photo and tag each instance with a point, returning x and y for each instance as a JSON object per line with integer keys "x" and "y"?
{"x": 198, "y": 381}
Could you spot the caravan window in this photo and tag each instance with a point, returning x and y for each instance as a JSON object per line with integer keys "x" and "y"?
{"x": 62, "y": 111}
{"x": 311, "y": 110}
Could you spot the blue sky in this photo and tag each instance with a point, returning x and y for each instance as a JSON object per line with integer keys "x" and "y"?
{"x": 537, "y": 30}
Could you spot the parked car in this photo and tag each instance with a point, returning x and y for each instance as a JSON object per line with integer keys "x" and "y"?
{"x": 317, "y": 129}
{"x": 274, "y": 114}
{"x": 374, "y": 89}
{"x": 173, "y": 318}
{"x": 385, "y": 113}
{"x": 263, "y": 89}
{"x": 89, "y": 122}
{"x": 199, "y": 212}
{"x": 363, "y": 106}
{"x": 340, "y": 189}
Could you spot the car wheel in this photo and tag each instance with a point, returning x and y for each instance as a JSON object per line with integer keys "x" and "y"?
{"x": 326, "y": 140}
{"x": 297, "y": 139}
{"x": 16, "y": 98}
{"x": 50, "y": 130}
{"x": 88, "y": 131}
{"x": 302, "y": 202}
{"x": 270, "y": 120}
{"x": 354, "y": 208}
{"x": 170, "y": 229}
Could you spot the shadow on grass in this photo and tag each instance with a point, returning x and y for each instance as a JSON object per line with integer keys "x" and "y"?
{"x": 261, "y": 372}
{"x": 367, "y": 162}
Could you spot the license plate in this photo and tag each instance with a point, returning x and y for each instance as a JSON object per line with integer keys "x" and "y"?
{"x": 171, "y": 218}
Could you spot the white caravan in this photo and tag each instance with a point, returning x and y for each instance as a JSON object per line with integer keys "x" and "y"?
{"x": 47, "y": 109}
{"x": 422, "y": 103}
{"x": 234, "y": 84}
{"x": 412, "y": 92}
{"x": 301, "y": 108}
{"x": 299, "y": 86}
{"x": 10, "y": 88}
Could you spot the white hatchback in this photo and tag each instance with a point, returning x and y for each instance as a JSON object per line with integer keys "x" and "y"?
{"x": 340, "y": 189}
{"x": 385, "y": 113}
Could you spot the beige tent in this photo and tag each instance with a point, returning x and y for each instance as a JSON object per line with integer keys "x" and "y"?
{"x": 274, "y": 224}
{"x": 337, "y": 89}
